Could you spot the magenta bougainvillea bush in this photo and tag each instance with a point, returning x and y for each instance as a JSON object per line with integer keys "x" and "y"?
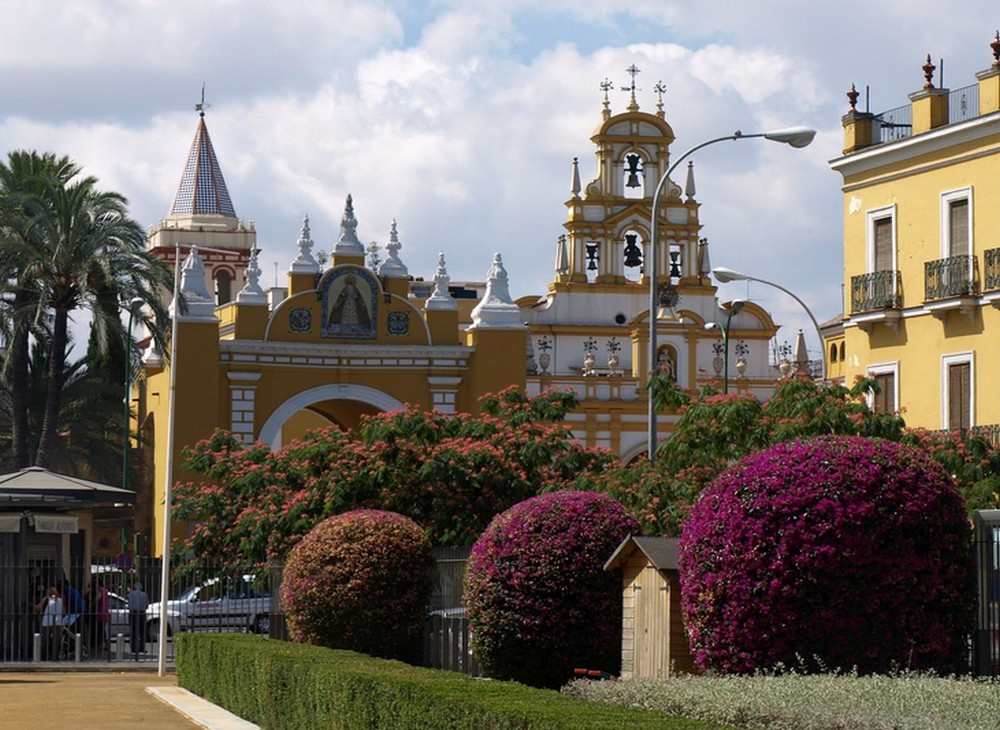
{"x": 360, "y": 581}
{"x": 537, "y": 595}
{"x": 835, "y": 552}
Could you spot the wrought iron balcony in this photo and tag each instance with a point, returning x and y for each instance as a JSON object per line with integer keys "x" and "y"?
{"x": 991, "y": 269}
{"x": 877, "y": 290}
{"x": 956, "y": 276}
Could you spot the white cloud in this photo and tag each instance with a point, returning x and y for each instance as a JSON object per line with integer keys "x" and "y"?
{"x": 461, "y": 119}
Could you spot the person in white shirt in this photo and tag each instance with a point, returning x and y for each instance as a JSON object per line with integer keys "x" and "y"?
{"x": 51, "y": 608}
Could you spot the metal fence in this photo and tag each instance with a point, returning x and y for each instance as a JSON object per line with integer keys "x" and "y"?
{"x": 246, "y": 600}
{"x": 986, "y": 640}
{"x": 217, "y": 599}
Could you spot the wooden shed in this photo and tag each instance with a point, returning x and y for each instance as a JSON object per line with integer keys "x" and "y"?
{"x": 654, "y": 643}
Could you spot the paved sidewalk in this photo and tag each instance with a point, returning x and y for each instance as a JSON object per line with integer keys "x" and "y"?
{"x": 106, "y": 699}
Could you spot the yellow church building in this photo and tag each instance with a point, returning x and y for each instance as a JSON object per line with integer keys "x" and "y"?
{"x": 921, "y": 257}
{"x": 345, "y": 338}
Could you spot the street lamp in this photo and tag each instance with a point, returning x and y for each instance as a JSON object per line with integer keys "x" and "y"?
{"x": 133, "y": 305}
{"x": 726, "y": 275}
{"x": 735, "y": 307}
{"x": 794, "y": 136}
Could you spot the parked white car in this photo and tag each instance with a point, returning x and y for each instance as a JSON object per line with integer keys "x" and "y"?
{"x": 233, "y": 604}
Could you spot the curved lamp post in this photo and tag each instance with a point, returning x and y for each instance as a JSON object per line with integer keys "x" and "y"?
{"x": 726, "y": 275}
{"x": 735, "y": 307}
{"x": 133, "y": 305}
{"x": 793, "y": 136}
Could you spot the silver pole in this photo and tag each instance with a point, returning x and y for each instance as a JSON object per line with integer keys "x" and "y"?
{"x": 168, "y": 485}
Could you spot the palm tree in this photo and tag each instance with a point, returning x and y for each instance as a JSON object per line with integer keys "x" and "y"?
{"x": 74, "y": 248}
{"x": 86, "y": 247}
{"x": 21, "y": 179}
{"x": 90, "y": 420}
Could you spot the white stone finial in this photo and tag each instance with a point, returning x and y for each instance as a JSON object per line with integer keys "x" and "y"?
{"x": 198, "y": 303}
{"x": 562, "y": 257}
{"x": 497, "y": 310}
{"x": 575, "y": 186}
{"x": 393, "y": 266}
{"x": 689, "y": 187}
{"x": 348, "y": 242}
{"x": 252, "y": 293}
{"x": 441, "y": 298}
{"x": 305, "y": 263}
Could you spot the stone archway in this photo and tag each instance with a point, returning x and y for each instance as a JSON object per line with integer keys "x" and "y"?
{"x": 270, "y": 432}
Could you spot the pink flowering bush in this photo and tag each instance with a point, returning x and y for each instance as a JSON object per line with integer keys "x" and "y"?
{"x": 537, "y": 595}
{"x": 451, "y": 473}
{"x": 360, "y": 581}
{"x": 836, "y": 552}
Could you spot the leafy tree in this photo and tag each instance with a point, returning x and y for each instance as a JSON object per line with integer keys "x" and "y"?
{"x": 21, "y": 181}
{"x": 833, "y": 552}
{"x": 539, "y": 600}
{"x": 90, "y": 420}
{"x": 714, "y": 430}
{"x": 66, "y": 245}
{"x": 360, "y": 581}
{"x": 449, "y": 473}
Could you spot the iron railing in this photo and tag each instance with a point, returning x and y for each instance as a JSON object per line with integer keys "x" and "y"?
{"x": 896, "y": 124}
{"x": 227, "y": 599}
{"x": 876, "y": 290}
{"x": 991, "y": 269}
{"x": 955, "y": 276}
{"x": 963, "y": 104}
{"x": 986, "y": 641}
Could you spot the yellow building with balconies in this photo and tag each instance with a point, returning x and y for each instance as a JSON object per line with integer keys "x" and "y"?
{"x": 922, "y": 253}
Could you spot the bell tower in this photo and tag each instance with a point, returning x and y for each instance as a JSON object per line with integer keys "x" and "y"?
{"x": 608, "y": 232}
{"x": 203, "y": 215}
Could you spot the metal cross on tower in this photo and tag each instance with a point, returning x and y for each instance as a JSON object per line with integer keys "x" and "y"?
{"x": 201, "y": 106}
{"x": 632, "y": 71}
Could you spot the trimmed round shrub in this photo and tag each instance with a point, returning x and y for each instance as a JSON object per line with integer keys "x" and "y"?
{"x": 360, "y": 580}
{"x": 838, "y": 552}
{"x": 538, "y": 598}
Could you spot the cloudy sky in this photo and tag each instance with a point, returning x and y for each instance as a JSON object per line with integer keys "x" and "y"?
{"x": 461, "y": 119}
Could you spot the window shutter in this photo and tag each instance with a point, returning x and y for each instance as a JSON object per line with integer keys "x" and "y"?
{"x": 885, "y": 399}
{"x": 882, "y": 233}
{"x": 958, "y": 396}
{"x": 958, "y": 227}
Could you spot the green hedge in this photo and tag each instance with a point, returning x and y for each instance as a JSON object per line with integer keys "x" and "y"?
{"x": 282, "y": 685}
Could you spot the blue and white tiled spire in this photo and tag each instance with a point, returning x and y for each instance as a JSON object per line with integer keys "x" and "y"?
{"x": 203, "y": 189}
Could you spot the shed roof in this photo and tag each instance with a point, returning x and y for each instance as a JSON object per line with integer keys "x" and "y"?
{"x": 660, "y": 551}
{"x": 37, "y": 485}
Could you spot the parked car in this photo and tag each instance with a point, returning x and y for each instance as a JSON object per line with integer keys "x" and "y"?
{"x": 233, "y": 604}
{"x": 119, "y": 615}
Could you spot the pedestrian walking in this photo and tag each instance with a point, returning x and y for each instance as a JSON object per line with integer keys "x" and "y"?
{"x": 138, "y": 602}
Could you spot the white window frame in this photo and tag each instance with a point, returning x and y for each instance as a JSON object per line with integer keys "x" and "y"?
{"x": 874, "y": 215}
{"x": 947, "y": 199}
{"x": 885, "y": 368}
{"x": 957, "y": 358}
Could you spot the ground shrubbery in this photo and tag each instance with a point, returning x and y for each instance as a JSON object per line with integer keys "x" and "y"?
{"x": 537, "y": 595}
{"x": 836, "y": 551}
{"x": 846, "y": 701}
{"x": 360, "y": 581}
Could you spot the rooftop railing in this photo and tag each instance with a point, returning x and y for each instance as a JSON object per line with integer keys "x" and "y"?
{"x": 896, "y": 124}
